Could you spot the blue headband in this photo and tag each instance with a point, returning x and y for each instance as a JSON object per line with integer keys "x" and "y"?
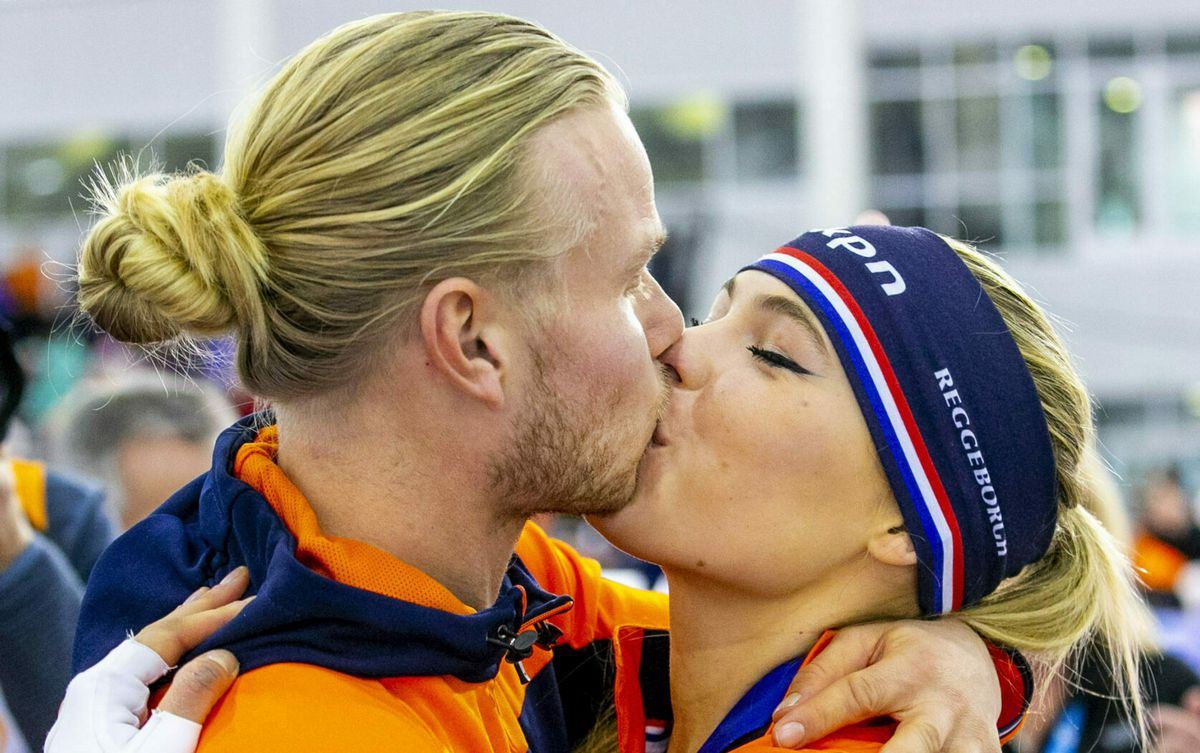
{"x": 946, "y": 394}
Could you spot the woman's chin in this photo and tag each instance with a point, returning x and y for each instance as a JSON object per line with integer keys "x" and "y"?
{"x": 627, "y": 528}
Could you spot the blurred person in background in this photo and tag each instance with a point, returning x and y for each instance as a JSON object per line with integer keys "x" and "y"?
{"x": 1168, "y": 542}
{"x": 1079, "y": 712}
{"x": 53, "y": 354}
{"x": 53, "y": 528}
{"x": 143, "y": 433}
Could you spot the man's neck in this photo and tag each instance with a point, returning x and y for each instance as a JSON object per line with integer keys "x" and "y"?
{"x": 723, "y": 642}
{"x": 403, "y": 497}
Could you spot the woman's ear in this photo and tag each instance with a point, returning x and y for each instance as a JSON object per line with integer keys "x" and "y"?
{"x": 463, "y": 338}
{"x": 893, "y": 546}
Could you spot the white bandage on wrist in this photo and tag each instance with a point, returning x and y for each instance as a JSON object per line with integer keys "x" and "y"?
{"x": 104, "y": 706}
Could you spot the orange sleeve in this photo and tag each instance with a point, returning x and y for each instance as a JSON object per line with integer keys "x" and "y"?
{"x": 600, "y": 604}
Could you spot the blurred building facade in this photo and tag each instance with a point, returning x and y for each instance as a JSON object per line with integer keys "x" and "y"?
{"x": 1064, "y": 136}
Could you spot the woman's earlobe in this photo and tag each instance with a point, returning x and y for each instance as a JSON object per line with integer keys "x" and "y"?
{"x": 893, "y": 547}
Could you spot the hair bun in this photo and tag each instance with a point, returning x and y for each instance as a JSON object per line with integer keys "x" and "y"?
{"x": 170, "y": 255}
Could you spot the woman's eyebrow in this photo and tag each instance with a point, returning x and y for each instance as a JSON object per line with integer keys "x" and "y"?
{"x": 780, "y": 304}
{"x": 728, "y": 286}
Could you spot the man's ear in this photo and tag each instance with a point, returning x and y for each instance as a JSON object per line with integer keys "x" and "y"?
{"x": 463, "y": 338}
{"x": 892, "y": 546}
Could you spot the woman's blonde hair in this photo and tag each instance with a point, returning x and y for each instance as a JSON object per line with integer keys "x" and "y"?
{"x": 1082, "y": 595}
{"x": 386, "y": 156}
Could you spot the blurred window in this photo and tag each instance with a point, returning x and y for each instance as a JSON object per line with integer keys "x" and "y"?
{"x": 49, "y": 178}
{"x": 1184, "y": 164}
{"x": 175, "y": 152}
{"x": 1183, "y": 43}
{"x": 978, "y": 129}
{"x": 975, "y": 53}
{"x": 1115, "y": 46}
{"x": 979, "y": 222}
{"x": 1049, "y": 224}
{"x": 765, "y": 139}
{"x": 944, "y": 220}
{"x": 903, "y": 57}
{"x": 676, "y": 149}
{"x": 43, "y": 179}
{"x": 897, "y": 138}
{"x": 1046, "y": 120}
{"x": 1118, "y": 200}
{"x": 906, "y": 216}
{"x": 975, "y": 148}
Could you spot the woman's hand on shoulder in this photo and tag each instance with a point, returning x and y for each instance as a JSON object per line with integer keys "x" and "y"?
{"x": 105, "y": 706}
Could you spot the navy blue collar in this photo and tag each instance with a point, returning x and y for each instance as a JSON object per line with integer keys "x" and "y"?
{"x": 751, "y": 717}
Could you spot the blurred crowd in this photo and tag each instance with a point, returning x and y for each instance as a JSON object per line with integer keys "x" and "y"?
{"x": 97, "y": 436}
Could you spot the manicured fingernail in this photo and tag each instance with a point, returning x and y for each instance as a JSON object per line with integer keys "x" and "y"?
{"x": 791, "y": 699}
{"x": 195, "y": 594}
{"x": 235, "y": 572}
{"x": 789, "y": 734}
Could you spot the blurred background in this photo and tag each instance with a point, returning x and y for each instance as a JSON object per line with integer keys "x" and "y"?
{"x": 1064, "y": 136}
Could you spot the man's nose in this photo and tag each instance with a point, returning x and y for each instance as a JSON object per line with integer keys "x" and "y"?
{"x": 687, "y": 362}
{"x": 662, "y": 320}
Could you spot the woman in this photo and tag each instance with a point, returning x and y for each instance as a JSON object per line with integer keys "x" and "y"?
{"x": 898, "y": 408}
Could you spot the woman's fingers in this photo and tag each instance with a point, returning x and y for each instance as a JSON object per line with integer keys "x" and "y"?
{"x": 205, "y": 612}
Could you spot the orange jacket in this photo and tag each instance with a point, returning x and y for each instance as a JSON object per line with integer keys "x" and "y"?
{"x": 303, "y": 707}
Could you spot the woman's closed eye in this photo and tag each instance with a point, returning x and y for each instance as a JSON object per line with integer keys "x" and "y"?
{"x": 777, "y": 360}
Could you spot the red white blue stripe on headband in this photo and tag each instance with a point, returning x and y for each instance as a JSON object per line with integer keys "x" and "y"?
{"x": 895, "y": 419}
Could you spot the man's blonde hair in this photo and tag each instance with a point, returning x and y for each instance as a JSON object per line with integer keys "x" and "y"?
{"x": 386, "y": 156}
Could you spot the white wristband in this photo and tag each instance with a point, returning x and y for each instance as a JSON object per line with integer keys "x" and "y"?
{"x": 104, "y": 706}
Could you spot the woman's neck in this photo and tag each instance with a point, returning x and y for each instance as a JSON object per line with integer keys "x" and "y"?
{"x": 723, "y": 641}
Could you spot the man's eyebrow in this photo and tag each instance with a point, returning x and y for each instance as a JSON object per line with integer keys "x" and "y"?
{"x": 780, "y": 304}
{"x": 728, "y": 286}
{"x": 659, "y": 240}
{"x": 656, "y": 243}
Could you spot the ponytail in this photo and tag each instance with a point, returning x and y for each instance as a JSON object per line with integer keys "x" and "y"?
{"x": 1080, "y": 599}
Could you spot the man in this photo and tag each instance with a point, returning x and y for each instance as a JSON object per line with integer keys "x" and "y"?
{"x": 432, "y": 239}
